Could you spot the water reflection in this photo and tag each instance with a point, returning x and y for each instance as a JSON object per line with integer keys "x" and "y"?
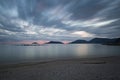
{"x": 10, "y": 54}
{"x": 82, "y": 50}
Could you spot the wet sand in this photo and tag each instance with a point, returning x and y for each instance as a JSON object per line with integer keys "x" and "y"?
{"x": 106, "y": 68}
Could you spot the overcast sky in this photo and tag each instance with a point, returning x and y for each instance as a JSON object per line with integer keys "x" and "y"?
{"x": 63, "y": 20}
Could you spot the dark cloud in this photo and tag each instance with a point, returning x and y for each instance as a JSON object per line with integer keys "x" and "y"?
{"x": 58, "y": 19}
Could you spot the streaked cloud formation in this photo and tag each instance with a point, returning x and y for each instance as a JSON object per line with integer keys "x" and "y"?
{"x": 58, "y": 19}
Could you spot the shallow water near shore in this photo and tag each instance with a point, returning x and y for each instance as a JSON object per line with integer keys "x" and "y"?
{"x": 18, "y": 54}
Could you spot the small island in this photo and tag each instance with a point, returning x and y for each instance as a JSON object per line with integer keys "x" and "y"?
{"x": 33, "y": 44}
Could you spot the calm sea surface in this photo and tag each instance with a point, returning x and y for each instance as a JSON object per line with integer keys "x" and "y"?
{"x": 18, "y": 54}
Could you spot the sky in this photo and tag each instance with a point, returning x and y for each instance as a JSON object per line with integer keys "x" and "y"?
{"x": 61, "y": 20}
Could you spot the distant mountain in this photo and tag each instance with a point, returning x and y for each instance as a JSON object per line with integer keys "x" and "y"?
{"x": 54, "y": 42}
{"x": 99, "y": 41}
{"x": 79, "y": 42}
{"x": 105, "y": 41}
{"x": 117, "y": 40}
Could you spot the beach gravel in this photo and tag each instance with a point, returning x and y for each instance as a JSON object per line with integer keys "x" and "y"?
{"x": 63, "y": 70}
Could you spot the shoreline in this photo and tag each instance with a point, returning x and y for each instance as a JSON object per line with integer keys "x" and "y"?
{"x": 104, "y": 68}
{"x": 98, "y": 60}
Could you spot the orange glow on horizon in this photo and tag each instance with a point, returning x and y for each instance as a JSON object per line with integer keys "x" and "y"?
{"x": 66, "y": 42}
{"x": 31, "y": 41}
{"x": 27, "y": 42}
